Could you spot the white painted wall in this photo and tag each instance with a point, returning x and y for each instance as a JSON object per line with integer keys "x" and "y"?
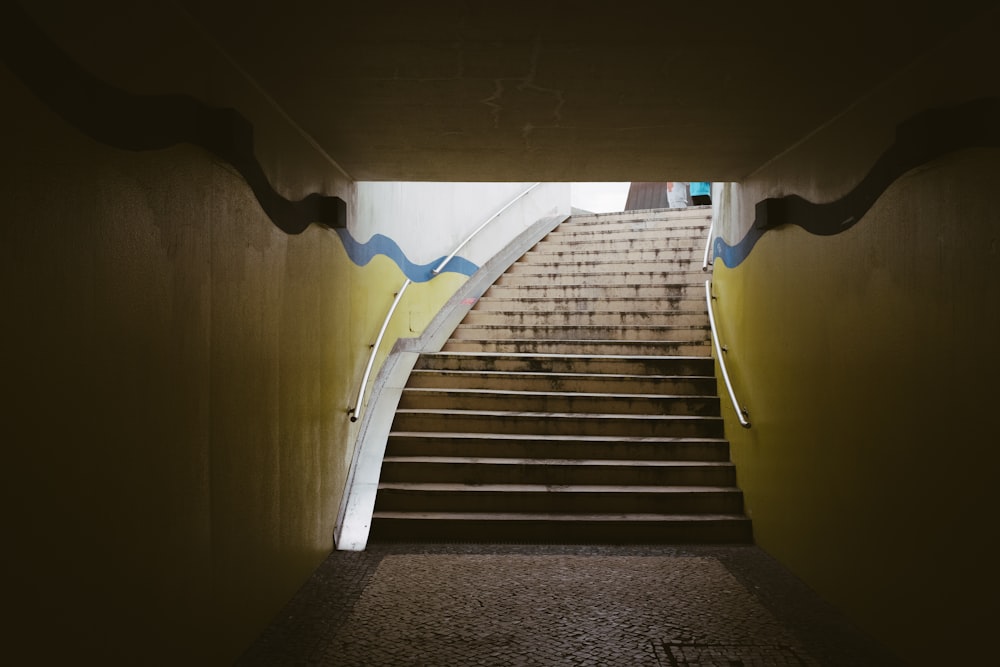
{"x": 429, "y": 220}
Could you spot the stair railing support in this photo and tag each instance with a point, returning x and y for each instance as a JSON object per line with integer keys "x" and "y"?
{"x": 355, "y": 412}
{"x": 741, "y": 412}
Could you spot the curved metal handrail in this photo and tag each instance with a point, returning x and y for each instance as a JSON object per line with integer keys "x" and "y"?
{"x": 708, "y": 245}
{"x": 444, "y": 263}
{"x": 741, "y": 412}
{"x": 355, "y": 412}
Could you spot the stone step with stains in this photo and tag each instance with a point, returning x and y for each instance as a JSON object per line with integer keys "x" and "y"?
{"x": 685, "y": 385}
{"x": 555, "y": 423}
{"x": 567, "y": 363}
{"x": 557, "y": 446}
{"x": 577, "y": 346}
{"x": 451, "y": 398}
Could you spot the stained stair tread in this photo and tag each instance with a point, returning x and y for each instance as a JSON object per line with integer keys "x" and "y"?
{"x": 560, "y": 394}
{"x": 651, "y": 220}
{"x": 664, "y": 279}
{"x": 589, "y": 341}
{"x": 557, "y": 488}
{"x": 666, "y": 256}
{"x": 560, "y": 375}
{"x": 586, "y": 327}
{"x": 567, "y": 355}
{"x": 561, "y": 517}
{"x": 558, "y": 308}
{"x": 623, "y": 439}
{"x": 550, "y": 254}
{"x": 489, "y": 460}
{"x": 549, "y": 299}
{"x": 574, "y": 261}
{"x": 553, "y": 415}
{"x": 588, "y": 311}
{"x": 692, "y": 233}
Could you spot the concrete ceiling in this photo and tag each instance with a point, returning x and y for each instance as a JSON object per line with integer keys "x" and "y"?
{"x": 557, "y": 91}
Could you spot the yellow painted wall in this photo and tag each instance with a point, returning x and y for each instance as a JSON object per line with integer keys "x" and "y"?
{"x": 868, "y": 363}
{"x": 176, "y": 371}
{"x": 373, "y": 298}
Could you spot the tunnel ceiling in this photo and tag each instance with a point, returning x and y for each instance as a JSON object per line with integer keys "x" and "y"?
{"x": 558, "y": 91}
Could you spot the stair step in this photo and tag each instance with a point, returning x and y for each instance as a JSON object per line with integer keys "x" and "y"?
{"x": 443, "y": 497}
{"x": 607, "y": 265}
{"x": 701, "y": 365}
{"x": 526, "y": 276}
{"x": 550, "y": 401}
{"x": 587, "y": 318}
{"x": 669, "y": 219}
{"x": 679, "y": 217}
{"x": 670, "y": 251}
{"x": 619, "y": 472}
{"x": 569, "y": 346}
{"x": 556, "y": 446}
{"x": 555, "y": 242}
{"x": 663, "y": 246}
{"x": 619, "y": 239}
{"x": 541, "y": 289}
{"x": 639, "y": 305}
{"x": 698, "y": 230}
{"x": 557, "y": 423}
{"x": 596, "y": 528}
{"x": 665, "y": 281}
{"x": 604, "y": 276}
{"x": 581, "y": 382}
{"x": 583, "y": 332}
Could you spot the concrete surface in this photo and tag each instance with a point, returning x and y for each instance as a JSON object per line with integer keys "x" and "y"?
{"x": 453, "y": 604}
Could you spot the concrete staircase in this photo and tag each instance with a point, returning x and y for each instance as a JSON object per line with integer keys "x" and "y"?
{"x": 576, "y": 402}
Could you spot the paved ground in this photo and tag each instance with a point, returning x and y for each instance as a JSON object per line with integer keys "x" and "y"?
{"x": 661, "y": 606}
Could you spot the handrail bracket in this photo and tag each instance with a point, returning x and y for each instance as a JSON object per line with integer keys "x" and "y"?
{"x": 720, "y": 351}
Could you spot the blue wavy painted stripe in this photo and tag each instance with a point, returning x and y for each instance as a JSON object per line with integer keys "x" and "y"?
{"x": 919, "y": 140}
{"x": 362, "y": 253}
{"x": 733, "y": 255}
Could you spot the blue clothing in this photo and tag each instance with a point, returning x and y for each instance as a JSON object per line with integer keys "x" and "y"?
{"x": 699, "y": 188}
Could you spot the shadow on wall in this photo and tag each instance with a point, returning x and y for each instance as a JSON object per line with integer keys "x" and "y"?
{"x": 925, "y": 137}
{"x": 150, "y": 122}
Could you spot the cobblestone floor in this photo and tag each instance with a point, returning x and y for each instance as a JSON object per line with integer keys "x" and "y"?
{"x": 455, "y": 605}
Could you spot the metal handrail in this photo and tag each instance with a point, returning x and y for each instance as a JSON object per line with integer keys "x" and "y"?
{"x": 481, "y": 227}
{"x": 355, "y": 412}
{"x": 708, "y": 245}
{"x": 741, "y": 412}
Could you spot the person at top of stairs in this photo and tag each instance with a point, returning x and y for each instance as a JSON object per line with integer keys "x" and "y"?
{"x": 677, "y": 194}
{"x": 701, "y": 193}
